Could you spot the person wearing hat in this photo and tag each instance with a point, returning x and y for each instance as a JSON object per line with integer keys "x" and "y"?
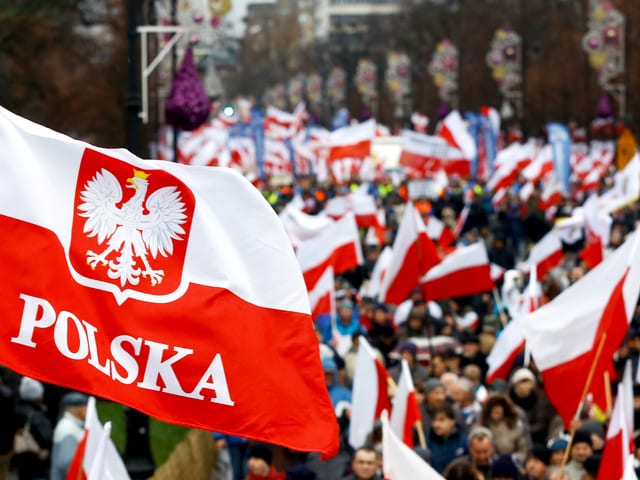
{"x": 504, "y": 468}
{"x": 259, "y": 463}
{"x": 581, "y": 449}
{"x": 536, "y": 464}
{"x": 471, "y": 353}
{"x": 31, "y": 417}
{"x": 527, "y": 393}
{"x": 68, "y": 433}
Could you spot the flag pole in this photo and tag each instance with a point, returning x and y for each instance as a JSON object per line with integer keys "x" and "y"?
{"x": 607, "y": 392}
{"x": 592, "y": 370}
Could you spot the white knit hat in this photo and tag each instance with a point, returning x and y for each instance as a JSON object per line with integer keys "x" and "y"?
{"x": 30, "y": 389}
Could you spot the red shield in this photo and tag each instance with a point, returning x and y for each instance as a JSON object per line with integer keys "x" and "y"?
{"x": 113, "y": 238}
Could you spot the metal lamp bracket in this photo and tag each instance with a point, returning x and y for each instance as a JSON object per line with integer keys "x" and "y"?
{"x": 147, "y": 68}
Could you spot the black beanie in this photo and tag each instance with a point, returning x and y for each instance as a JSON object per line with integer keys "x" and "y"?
{"x": 260, "y": 451}
{"x": 582, "y": 436}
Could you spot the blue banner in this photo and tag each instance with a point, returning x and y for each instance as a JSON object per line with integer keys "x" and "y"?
{"x": 560, "y": 142}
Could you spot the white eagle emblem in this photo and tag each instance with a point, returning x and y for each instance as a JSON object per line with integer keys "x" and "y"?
{"x": 138, "y": 228}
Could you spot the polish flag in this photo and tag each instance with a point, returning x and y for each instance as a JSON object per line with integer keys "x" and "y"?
{"x": 374, "y": 286}
{"x": 505, "y": 351}
{"x": 619, "y": 442}
{"x": 96, "y": 456}
{"x": 546, "y": 254}
{"x": 359, "y": 202}
{"x": 129, "y": 271}
{"x": 399, "y": 461}
{"x": 439, "y": 232}
{"x": 509, "y": 163}
{"x": 454, "y": 130}
{"x": 323, "y": 295}
{"x": 497, "y": 272}
{"x": 352, "y": 141}
{"x": 337, "y": 246}
{"x": 468, "y": 321}
{"x": 598, "y": 228}
{"x": 465, "y": 271}
{"x": 540, "y": 166}
{"x": 301, "y": 226}
{"x": 427, "y": 154}
{"x": 461, "y": 220}
{"x": 551, "y": 194}
{"x": 594, "y": 313}
{"x": 405, "y": 411}
{"x": 413, "y": 255}
{"x": 370, "y": 394}
{"x": 280, "y": 125}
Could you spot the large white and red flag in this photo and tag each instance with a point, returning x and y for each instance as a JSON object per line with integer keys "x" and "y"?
{"x": 405, "y": 412}
{"x": 425, "y": 155}
{"x": 96, "y": 456}
{"x": 439, "y": 232}
{"x": 352, "y": 141}
{"x": 546, "y": 254}
{"x": 464, "y": 271}
{"x": 337, "y": 246}
{"x": 454, "y": 130}
{"x": 619, "y": 442}
{"x": 413, "y": 255}
{"x": 400, "y": 462}
{"x": 373, "y": 287}
{"x": 370, "y": 393}
{"x": 573, "y": 338}
{"x": 133, "y": 280}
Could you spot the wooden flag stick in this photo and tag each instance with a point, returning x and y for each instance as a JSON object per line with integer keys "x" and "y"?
{"x": 607, "y": 392}
{"x": 587, "y": 384}
{"x": 421, "y": 437}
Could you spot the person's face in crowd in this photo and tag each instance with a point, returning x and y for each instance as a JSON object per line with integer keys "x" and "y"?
{"x": 257, "y": 466}
{"x": 597, "y": 441}
{"x": 580, "y": 452}
{"x": 470, "y": 349}
{"x": 576, "y": 273}
{"x": 556, "y": 457}
{"x": 436, "y": 397}
{"x": 345, "y": 314}
{"x": 379, "y": 316}
{"x": 523, "y": 388}
{"x": 443, "y": 425}
{"x": 328, "y": 378}
{"x": 438, "y": 366}
{"x": 364, "y": 464}
{"x": 415, "y": 323}
{"x": 497, "y": 413}
{"x": 408, "y": 356}
{"x": 535, "y": 468}
{"x": 481, "y": 451}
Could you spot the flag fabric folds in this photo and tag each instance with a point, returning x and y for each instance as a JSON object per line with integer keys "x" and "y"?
{"x": 133, "y": 280}
{"x": 594, "y": 313}
{"x": 546, "y": 254}
{"x": 399, "y": 462}
{"x": 370, "y": 393}
{"x": 413, "y": 255}
{"x": 465, "y": 271}
{"x": 352, "y": 141}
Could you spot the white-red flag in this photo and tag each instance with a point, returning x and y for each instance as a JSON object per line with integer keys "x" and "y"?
{"x": 337, "y": 246}
{"x": 96, "y": 457}
{"x": 439, "y": 232}
{"x": 352, "y": 141}
{"x": 540, "y": 166}
{"x": 464, "y": 271}
{"x": 359, "y": 202}
{"x": 323, "y": 295}
{"x": 378, "y": 273}
{"x": 454, "y": 130}
{"x": 546, "y": 254}
{"x": 301, "y": 226}
{"x": 133, "y": 280}
{"x": 597, "y": 225}
{"x": 370, "y": 394}
{"x": 594, "y": 314}
{"x": 405, "y": 412}
{"x": 413, "y": 255}
{"x": 619, "y": 440}
{"x": 399, "y": 462}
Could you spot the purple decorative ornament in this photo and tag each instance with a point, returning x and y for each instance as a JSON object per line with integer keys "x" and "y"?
{"x": 604, "y": 108}
{"x": 611, "y": 36}
{"x": 443, "y": 110}
{"x": 197, "y": 17}
{"x": 187, "y": 106}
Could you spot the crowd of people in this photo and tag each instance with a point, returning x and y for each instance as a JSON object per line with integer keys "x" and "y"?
{"x": 506, "y": 429}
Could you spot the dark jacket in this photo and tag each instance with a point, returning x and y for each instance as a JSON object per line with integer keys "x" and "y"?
{"x": 445, "y": 449}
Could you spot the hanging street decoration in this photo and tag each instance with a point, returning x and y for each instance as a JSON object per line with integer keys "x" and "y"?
{"x": 444, "y": 70}
{"x": 336, "y": 85}
{"x": 398, "y": 80}
{"x": 505, "y": 60}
